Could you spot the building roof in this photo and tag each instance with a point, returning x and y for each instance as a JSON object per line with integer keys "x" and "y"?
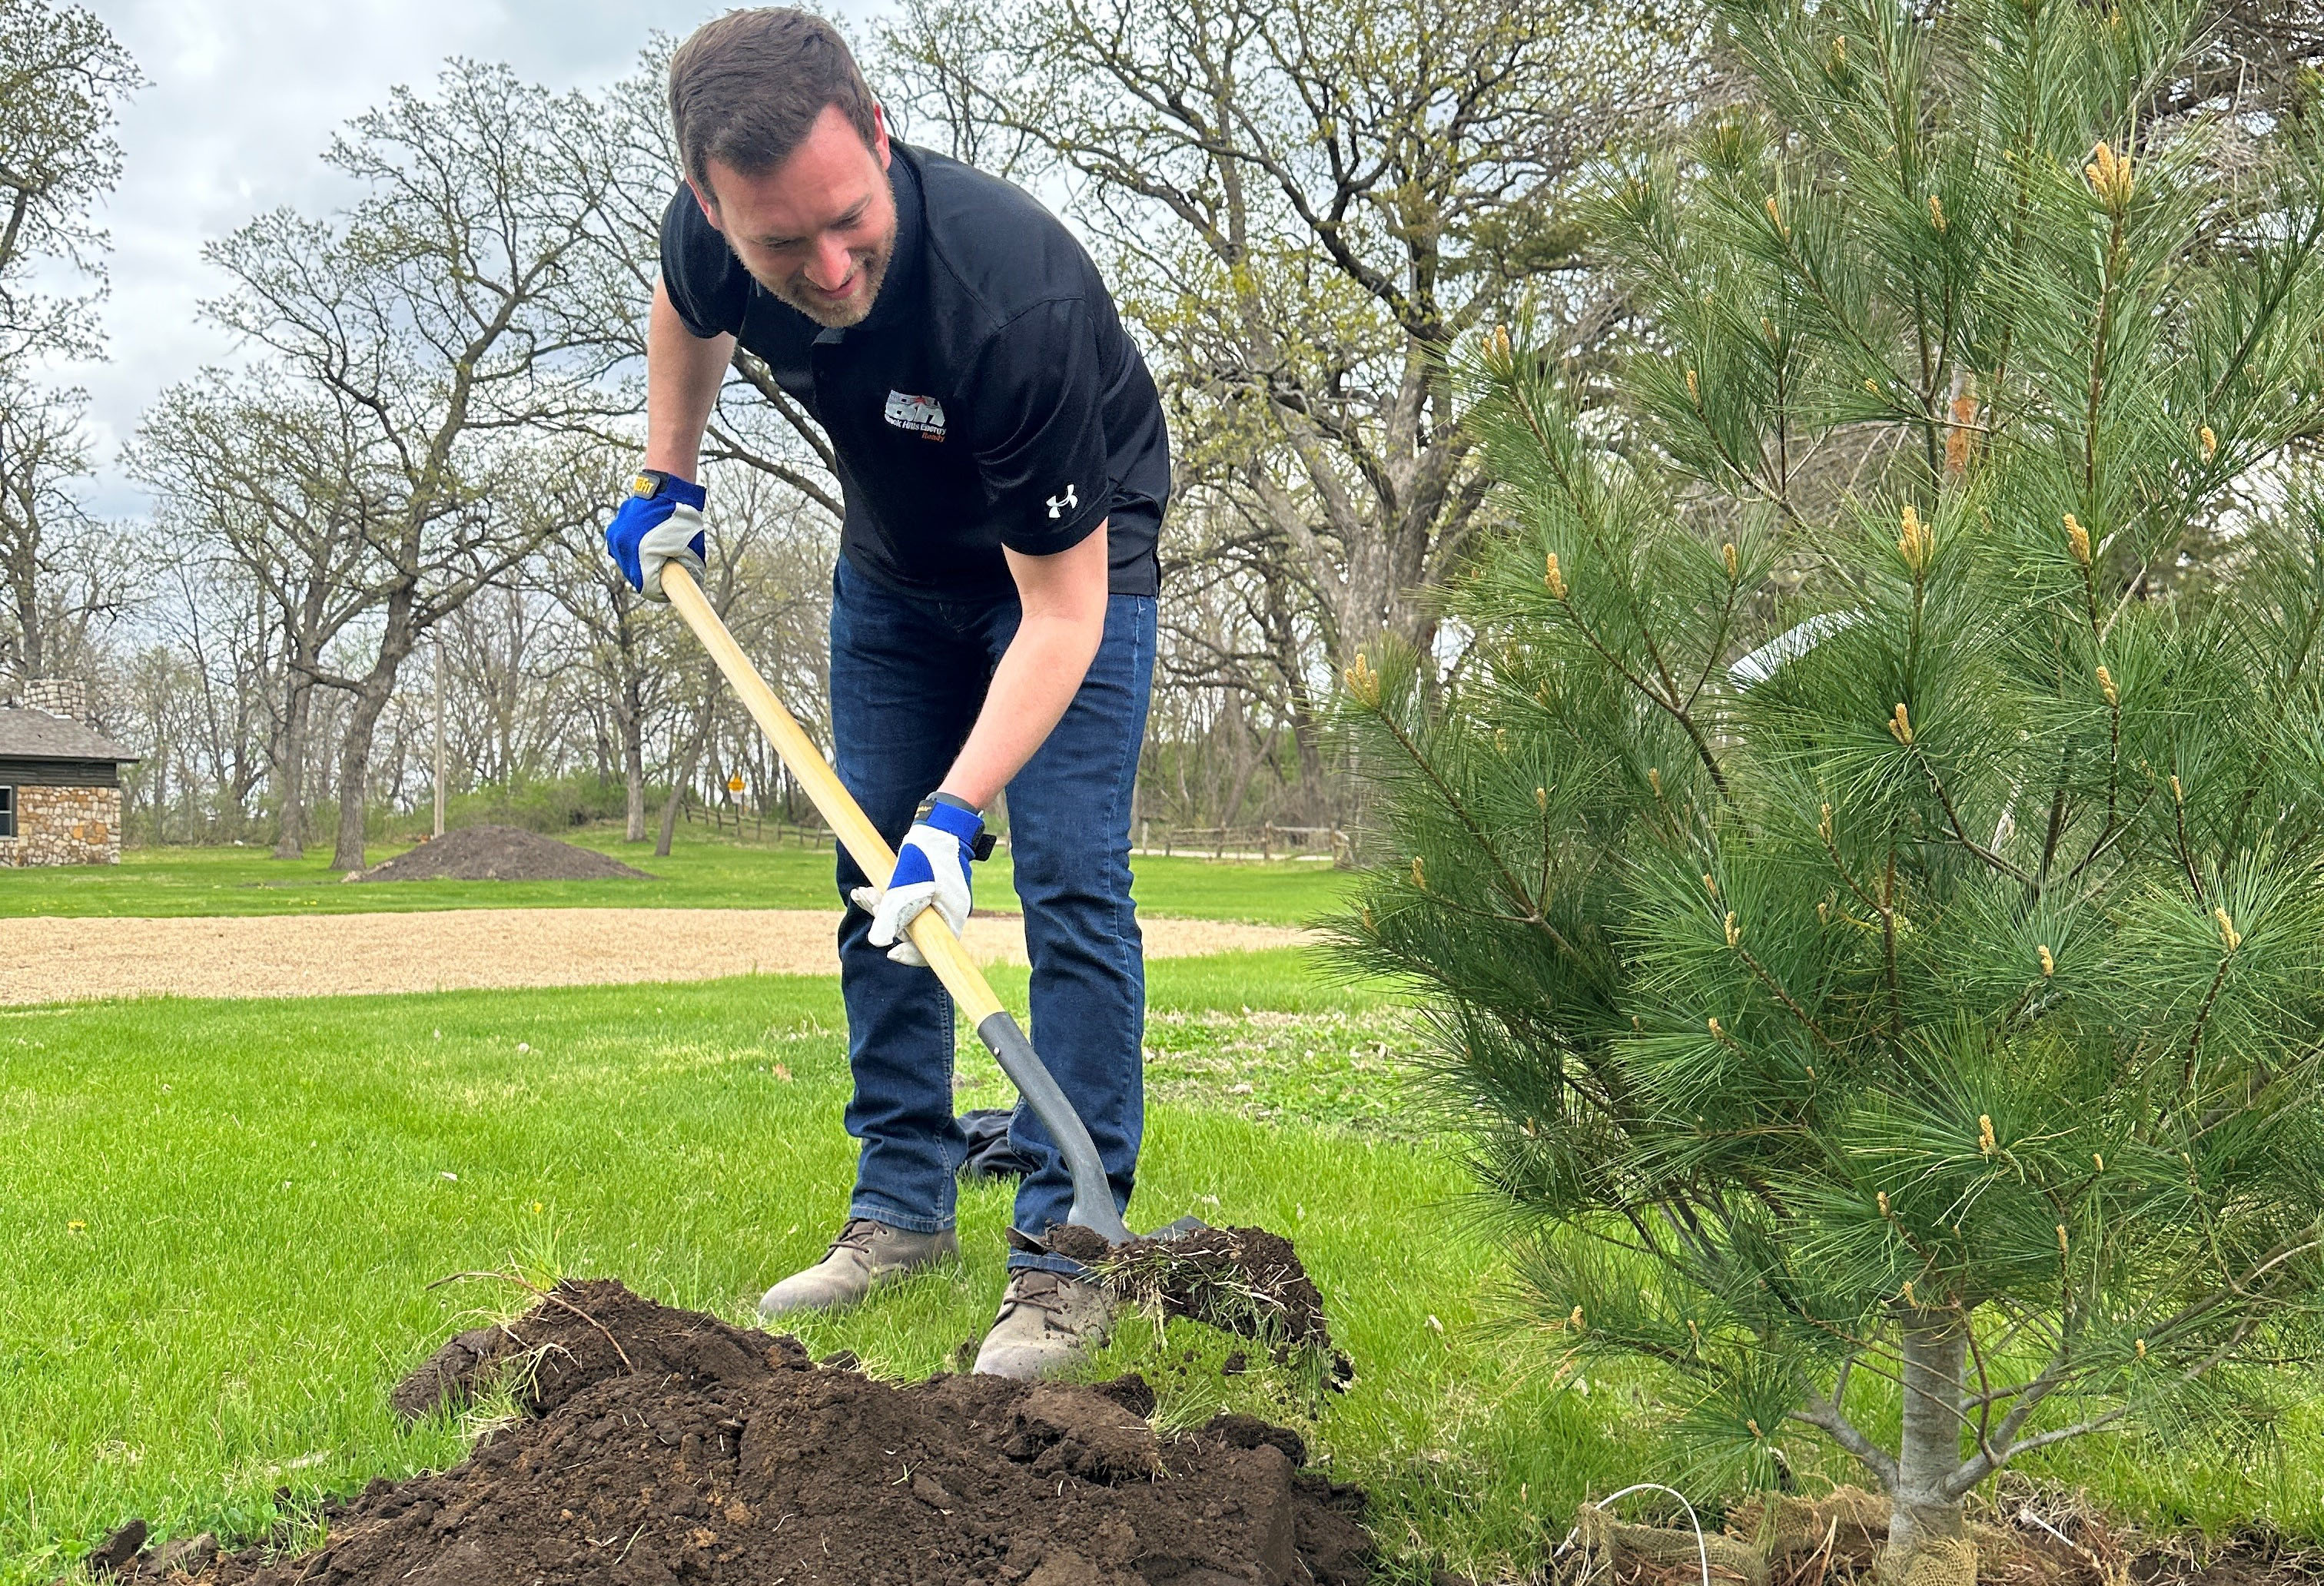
{"x": 26, "y": 733}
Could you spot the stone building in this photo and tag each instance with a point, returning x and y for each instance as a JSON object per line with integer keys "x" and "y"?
{"x": 60, "y": 779}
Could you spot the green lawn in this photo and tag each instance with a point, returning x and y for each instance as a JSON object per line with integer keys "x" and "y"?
{"x": 703, "y": 871}
{"x": 218, "y": 1221}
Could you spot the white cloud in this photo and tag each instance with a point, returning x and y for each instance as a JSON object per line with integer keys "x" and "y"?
{"x": 243, "y": 97}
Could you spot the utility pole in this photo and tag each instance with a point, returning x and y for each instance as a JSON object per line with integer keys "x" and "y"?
{"x": 440, "y": 732}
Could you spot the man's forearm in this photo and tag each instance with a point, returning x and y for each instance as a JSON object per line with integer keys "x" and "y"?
{"x": 684, "y": 372}
{"x": 1036, "y": 679}
{"x": 1064, "y": 598}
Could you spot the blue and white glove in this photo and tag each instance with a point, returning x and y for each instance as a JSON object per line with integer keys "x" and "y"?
{"x": 931, "y": 870}
{"x": 660, "y": 520}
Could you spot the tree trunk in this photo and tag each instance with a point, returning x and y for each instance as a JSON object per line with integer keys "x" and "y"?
{"x": 354, "y": 766}
{"x": 677, "y": 784}
{"x": 1928, "y": 1541}
{"x": 633, "y": 762}
{"x": 290, "y": 842}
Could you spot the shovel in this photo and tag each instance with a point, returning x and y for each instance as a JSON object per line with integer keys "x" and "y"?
{"x": 1093, "y": 1205}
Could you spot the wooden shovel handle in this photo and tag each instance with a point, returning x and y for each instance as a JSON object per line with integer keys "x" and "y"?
{"x": 825, "y": 790}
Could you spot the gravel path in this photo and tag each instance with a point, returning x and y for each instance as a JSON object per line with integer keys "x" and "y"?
{"x": 314, "y": 955}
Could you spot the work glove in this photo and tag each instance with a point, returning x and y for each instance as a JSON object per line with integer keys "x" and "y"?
{"x": 659, "y": 521}
{"x": 931, "y": 870}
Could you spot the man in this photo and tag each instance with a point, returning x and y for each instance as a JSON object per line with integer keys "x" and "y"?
{"x": 1001, "y": 449}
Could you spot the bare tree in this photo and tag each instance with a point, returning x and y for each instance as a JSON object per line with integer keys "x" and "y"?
{"x": 272, "y": 482}
{"x": 54, "y": 579}
{"x": 62, "y": 75}
{"x": 1304, "y": 206}
{"x": 435, "y": 311}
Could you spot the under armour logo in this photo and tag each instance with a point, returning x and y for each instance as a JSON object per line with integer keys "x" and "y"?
{"x": 1058, "y": 503}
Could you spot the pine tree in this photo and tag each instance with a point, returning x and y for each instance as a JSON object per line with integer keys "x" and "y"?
{"x": 1868, "y": 914}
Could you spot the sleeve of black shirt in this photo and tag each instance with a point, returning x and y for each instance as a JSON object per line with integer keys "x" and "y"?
{"x": 1036, "y": 402}
{"x": 706, "y": 285}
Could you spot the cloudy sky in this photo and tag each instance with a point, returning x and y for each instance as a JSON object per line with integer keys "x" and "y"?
{"x": 244, "y": 96}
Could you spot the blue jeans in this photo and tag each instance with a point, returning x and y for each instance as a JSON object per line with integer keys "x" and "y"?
{"x": 907, "y": 679}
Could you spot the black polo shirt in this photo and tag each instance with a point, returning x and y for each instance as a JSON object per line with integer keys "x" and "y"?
{"x": 990, "y": 399}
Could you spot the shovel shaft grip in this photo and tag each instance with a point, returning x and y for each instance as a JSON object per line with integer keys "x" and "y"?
{"x": 853, "y": 828}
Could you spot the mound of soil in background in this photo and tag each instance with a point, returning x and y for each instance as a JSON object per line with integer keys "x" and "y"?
{"x": 662, "y": 1446}
{"x": 500, "y": 854}
{"x": 1240, "y": 1280}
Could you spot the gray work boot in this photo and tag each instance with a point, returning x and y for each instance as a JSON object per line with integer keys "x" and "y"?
{"x": 1047, "y": 1322}
{"x": 866, "y": 1254}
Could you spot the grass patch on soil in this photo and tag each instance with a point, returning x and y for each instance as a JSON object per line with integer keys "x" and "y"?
{"x": 703, "y": 871}
{"x": 218, "y": 1221}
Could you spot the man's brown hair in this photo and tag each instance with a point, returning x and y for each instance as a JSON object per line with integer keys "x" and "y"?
{"x": 745, "y": 90}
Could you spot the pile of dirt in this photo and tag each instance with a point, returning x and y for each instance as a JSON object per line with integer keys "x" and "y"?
{"x": 1240, "y": 1280}
{"x": 498, "y": 854}
{"x": 660, "y": 1446}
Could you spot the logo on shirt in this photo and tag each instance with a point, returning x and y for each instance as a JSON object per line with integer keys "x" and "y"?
{"x": 922, "y": 415}
{"x": 1060, "y": 504}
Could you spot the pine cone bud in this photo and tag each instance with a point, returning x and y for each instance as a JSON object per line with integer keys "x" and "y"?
{"x": 1362, "y": 682}
{"x": 2229, "y": 937}
{"x": 1693, "y": 388}
{"x": 1824, "y": 826}
{"x": 2211, "y": 442}
{"x": 1882, "y": 1196}
{"x": 2178, "y": 793}
{"x": 2106, "y": 687}
{"x": 1900, "y": 726}
{"x": 1937, "y": 213}
{"x": 1734, "y": 564}
{"x": 2049, "y": 964}
{"x": 1419, "y": 877}
{"x": 1734, "y": 931}
{"x": 2077, "y": 540}
{"x": 2109, "y": 175}
{"x": 1500, "y": 353}
{"x": 1985, "y": 1143}
{"x": 1654, "y": 780}
{"x": 1916, "y": 545}
{"x": 1555, "y": 578}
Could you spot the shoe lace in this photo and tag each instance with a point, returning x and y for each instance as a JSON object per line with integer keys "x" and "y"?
{"x": 1044, "y": 1291}
{"x": 856, "y": 1235}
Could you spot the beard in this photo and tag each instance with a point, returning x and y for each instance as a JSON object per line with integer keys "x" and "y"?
{"x": 871, "y": 268}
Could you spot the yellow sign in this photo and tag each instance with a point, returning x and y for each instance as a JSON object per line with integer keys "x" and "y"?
{"x": 734, "y": 783}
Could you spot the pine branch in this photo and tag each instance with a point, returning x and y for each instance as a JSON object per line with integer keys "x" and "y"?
{"x": 1952, "y": 819}
{"x": 1826, "y": 1417}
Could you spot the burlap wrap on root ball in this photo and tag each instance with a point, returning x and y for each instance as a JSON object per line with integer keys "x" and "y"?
{"x": 1771, "y": 1536}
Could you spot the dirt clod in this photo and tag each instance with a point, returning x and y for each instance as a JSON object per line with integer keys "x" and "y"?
{"x": 724, "y": 1455}
{"x": 1240, "y": 1280}
{"x": 116, "y": 1552}
{"x": 498, "y": 853}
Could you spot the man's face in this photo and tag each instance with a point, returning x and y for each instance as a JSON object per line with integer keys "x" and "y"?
{"x": 819, "y": 229}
